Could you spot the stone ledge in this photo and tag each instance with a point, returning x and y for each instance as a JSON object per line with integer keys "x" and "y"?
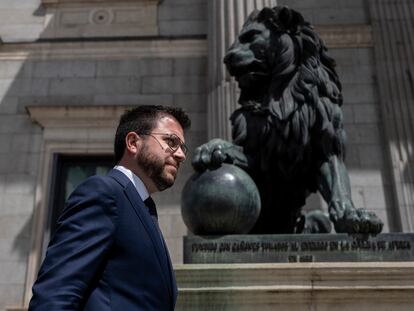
{"x": 297, "y": 286}
{"x": 76, "y": 117}
{"x": 54, "y": 2}
{"x": 156, "y": 48}
{"x": 100, "y": 18}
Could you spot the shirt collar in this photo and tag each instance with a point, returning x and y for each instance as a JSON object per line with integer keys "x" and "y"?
{"x": 136, "y": 181}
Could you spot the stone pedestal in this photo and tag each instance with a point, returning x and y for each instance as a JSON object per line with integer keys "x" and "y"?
{"x": 296, "y": 286}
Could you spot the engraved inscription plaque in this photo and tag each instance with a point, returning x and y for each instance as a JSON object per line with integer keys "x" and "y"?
{"x": 298, "y": 248}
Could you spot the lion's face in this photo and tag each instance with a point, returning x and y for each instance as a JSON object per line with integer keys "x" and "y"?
{"x": 247, "y": 58}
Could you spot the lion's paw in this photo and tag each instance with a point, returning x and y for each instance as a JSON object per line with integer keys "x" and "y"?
{"x": 215, "y": 152}
{"x": 350, "y": 220}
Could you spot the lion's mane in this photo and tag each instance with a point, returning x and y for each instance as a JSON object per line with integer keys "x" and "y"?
{"x": 304, "y": 96}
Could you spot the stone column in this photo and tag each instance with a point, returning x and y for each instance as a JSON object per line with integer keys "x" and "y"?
{"x": 225, "y": 19}
{"x": 392, "y": 23}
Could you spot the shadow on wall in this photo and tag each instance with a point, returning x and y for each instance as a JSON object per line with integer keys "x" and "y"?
{"x": 71, "y": 80}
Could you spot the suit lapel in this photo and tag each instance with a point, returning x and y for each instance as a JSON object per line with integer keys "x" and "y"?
{"x": 149, "y": 225}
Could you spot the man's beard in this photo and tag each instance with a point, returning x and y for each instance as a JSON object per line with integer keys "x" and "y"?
{"x": 154, "y": 168}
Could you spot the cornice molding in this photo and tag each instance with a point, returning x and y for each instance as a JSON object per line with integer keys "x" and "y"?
{"x": 57, "y": 2}
{"x": 335, "y": 37}
{"x": 157, "y": 48}
{"x": 76, "y": 116}
{"x": 346, "y": 36}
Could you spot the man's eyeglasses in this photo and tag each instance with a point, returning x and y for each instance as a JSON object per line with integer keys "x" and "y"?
{"x": 173, "y": 142}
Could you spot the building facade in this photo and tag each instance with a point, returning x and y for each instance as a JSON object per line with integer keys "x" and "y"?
{"x": 69, "y": 68}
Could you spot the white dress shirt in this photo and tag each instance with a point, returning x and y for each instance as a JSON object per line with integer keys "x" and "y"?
{"x": 136, "y": 181}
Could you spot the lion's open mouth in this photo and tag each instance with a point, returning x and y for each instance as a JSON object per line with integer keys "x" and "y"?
{"x": 253, "y": 70}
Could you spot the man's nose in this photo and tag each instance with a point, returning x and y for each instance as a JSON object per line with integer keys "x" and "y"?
{"x": 180, "y": 155}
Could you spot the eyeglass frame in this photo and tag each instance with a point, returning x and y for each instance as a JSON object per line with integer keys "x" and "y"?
{"x": 172, "y": 137}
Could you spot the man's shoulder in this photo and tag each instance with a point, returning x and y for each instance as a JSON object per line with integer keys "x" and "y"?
{"x": 99, "y": 184}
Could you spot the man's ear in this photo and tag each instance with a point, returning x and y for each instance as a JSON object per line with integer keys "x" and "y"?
{"x": 133, "y": 143}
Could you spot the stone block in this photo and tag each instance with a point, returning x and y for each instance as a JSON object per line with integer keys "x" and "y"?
{"x": 348, "y": 115}
{"x": 5, "y": 168}
{"x": 183, "y": 28}
{"x": 20, "y": 16}
{"x": 64, "y": 68}
{"x": 133, "y": 99}
{"x": 172, "y": 225}
{"x": 355, "y": 93}
{"x": 24, "y": 87}
{"x": 358, "y": 197}
{"x": 174, "y": 85}
{"x": 15, "y": 69}
{"x": 25, "y": 163}
{"x": 21, "y": 143}
{"x": 72, "y": 86}
{"x": 175, "y": 247}
{"x": 191, "y": 102}
{"x": 357, "y": 74}
{"x": 364, "y": 134}
{"x": 352, "y": 156}
{"x": 5, "y": 143}
{"x": 2, "y": 183}
{"x": 296, "y": 286}
{"x": 199, "y": 121}
{"x": 114, "y": 19}
{"x": 20, "y": 184}
{"x": 184, "y": 11}
{"x": 176, "y": 2}
{"x": 9, "y": 105}
{"x": 5, "y": 85}
{"x": 134, "y": 67}
{"x": 322, "y": 3}
{"x": 117, "y": 68}
{"x": 155, "y": 67}
{"x": 113, "y": 86}
{"x": 375, "y": 197}
{"x": 65, "y": 135}
{"x": 190, "y": 66}
{"x": 14, "y": 249}
{"x": 352, "y": 56}
{"x": 366, "y": 113}
{"x": 13, "y": 4}
{"x": 371, "y": 156}
{"x": 12, "y": 226}
{"x": 76, "y": 100}
{"x": 11, "y": 295}
{"x": 366, "y": 177}
{"x": 21, "y": 33}
{"x": 342, "y": 16}
{"x": 16, "y": 124}
{"x": 195, "y": 139}
{"x": 12, "y": 272}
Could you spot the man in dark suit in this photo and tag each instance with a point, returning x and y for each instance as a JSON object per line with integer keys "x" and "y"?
{"x": 108, "y": 252}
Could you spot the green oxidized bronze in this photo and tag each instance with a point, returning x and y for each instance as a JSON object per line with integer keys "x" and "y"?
{"x": 222, "y": 200}
{"x": 288, "y": 133}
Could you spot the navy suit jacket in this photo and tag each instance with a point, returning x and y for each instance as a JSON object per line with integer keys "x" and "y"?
{"x": 106, "y": 253}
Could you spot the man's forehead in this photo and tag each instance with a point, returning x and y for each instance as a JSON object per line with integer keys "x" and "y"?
{"x": 169, "y": 125}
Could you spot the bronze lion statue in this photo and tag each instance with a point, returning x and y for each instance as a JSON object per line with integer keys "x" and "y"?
{"x": 288, "y": 132}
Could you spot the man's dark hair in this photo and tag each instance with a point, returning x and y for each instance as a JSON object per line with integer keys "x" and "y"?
{"x": 142, "y": 120}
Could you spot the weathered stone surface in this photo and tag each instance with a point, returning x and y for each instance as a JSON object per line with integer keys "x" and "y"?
{"x": 296, "y": 287}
